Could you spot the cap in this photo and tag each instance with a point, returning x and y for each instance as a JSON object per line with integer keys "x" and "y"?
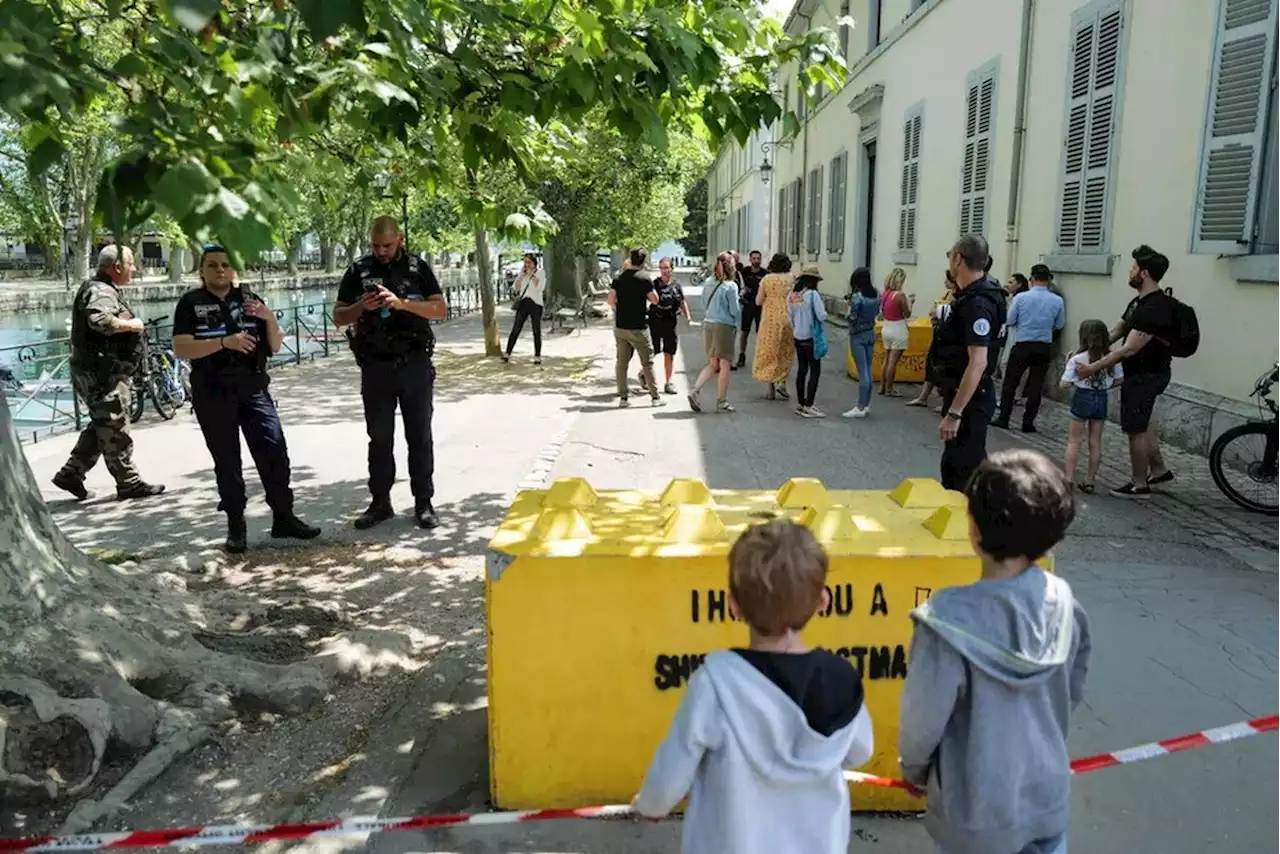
{"x": 811, "y": 270}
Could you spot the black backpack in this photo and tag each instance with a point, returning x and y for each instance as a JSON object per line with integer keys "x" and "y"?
{"x": 1184, "y": 339}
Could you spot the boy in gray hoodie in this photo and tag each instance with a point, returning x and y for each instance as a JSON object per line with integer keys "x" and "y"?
{"x": 764, "y": 734}
{"x": 996, "y": 669}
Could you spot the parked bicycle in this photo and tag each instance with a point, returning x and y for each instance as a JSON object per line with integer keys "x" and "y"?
{"x": 699, "y": 275}
{"x": 1243, "y": 459}
{"x": 162, "y": 376}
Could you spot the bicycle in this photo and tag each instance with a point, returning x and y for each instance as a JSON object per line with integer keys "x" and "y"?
{"x": 1233, "y": 453}
{"x": 699, "y": 276}
{"x": 160, "y": 375}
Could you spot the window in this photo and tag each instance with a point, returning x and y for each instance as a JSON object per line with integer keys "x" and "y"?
{"x": 844, "y": 32}
{"x": 979, "y": 140}
{"x": 1095, "y": 79}
{"x": 797, "y": 217}
{"x": 837, "y": 204}
{"x": 873, "y": 23}
{"x": 782, "y": 220}
{"x": 1236, "y": 195}
{"x": 813, "y": 239}
{"x": 909, "y": 210}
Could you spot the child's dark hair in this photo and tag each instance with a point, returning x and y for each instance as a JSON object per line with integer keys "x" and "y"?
{"x": 1095, "y": 339}
{"x": 776, "y": 575}
{"x": 1020, "y": 503}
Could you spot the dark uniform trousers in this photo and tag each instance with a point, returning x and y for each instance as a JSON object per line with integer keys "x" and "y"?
{"x": 1031, "y": 358}
{"x": 962, "y": 455}
{"x": 224, "y": 410}
{"x": 410, "y": 382}
{"x": 107, "y": 436}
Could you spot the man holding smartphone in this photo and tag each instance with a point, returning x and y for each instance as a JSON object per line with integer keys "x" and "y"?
{"x": 389, "y": 298}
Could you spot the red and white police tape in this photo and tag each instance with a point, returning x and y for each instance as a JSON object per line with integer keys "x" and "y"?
{"x": 235, "y": 835}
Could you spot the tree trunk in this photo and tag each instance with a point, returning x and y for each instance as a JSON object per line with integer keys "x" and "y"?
{"x": 81, "y": 247}
{"x": 488, "y": 304}
{"x": 328, "y": 254}
{"x": 94, "y": 657}
{"x": 193, "y": 261}
{"x": 616, "y": 257}
{"x": 295, "y": 249}
{"x": 562, "y": 273}
{"x": 177, "y": 260}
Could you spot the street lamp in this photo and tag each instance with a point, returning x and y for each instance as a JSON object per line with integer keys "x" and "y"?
{"x": 766, "y": 168}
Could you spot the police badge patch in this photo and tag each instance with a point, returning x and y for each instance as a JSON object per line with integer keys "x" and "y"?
{"x": 982, "y": 326}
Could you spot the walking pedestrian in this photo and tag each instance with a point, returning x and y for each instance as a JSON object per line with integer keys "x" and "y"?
{"x": 864, "y": 305}
{"x": 895, "y": 307}
{"x": 664, "y": 317}
{"x": 808, "y": 318}
{"x": 1088, "y": 401}
{"x": 775, "y": 346}
{"x": 721, "y": 318}
{"x": 228, "y": 334}
{"x": 528, "y": 286}
{"x": 630, "y": 296}
{"x": 751, "y": 276}
{"x": 967, "y": 342}
{"x": 1038, "y": 316}
{"x": 1147, "y": 328}
{"x": 391, "y": 297}
{"x": 1018, "y": 283}
{"x": 106, "y": 347}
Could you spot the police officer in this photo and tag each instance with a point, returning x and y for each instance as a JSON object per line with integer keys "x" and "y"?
{"x": 106, "y": 347}
{"x": 227, "y": 333}
{"x": 966, "y": 355}
{"x": 390, "y": 297}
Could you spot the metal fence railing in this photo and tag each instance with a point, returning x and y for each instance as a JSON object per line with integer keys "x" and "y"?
{"x": 35, "y": 376}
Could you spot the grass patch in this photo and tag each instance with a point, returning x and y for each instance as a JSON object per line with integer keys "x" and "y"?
{"x": 113, "y": 557}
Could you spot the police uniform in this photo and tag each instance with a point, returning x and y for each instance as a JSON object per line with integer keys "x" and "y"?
{"x": 394, "y": 353}
{"x": 976, "y": 317}
{"x": 102, "y": 364}
{"x": 229, "y": 396}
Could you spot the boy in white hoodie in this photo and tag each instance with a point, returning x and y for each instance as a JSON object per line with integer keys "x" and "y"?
{"x": 996, "y": 669}
{"x": 764, "y": 734}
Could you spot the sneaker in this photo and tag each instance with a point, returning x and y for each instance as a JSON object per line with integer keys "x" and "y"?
{"x": 782, "y": 392}
{"x": 425, "y": 516}
{"x": 71, "y": 483}
{"x": 815, "y": 412}
{"x": 138, "y": 490}
{"x": 1131, "y": 491}
{"x": 724, "y": 406}
{"x": 237, "y": 534}
{"x": 1167, "y": 477}
{"x": 669, "y": 388}
{"x": 742, "y": 361}
{"x": 623, "y": 402}
{"x": 379, "y": 511}
{"x": 537, "y": 360}
{"x": 506, "y": 357}
{"x": 289, "y": 526}
{"x": 861, "y": 413}
{"x": 657, "y": 401}
{"x": 694, "y": 404}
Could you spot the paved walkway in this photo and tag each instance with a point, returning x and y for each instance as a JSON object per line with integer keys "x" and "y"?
{"x": 1185, "y": 625}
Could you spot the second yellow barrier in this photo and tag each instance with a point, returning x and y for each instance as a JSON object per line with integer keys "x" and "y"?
{"x": 601, "y": 605}
{"x": 911, "y": 365}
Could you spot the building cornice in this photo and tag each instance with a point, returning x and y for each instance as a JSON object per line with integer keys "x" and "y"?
{"x": 867, "y": 102}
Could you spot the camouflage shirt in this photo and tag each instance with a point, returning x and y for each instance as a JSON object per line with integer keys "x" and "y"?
{"x": 96, "y": 342}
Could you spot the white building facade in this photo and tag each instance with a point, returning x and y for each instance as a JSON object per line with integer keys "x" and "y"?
{"x": 738, "y": 212}
{"x": 1067, "y": 132}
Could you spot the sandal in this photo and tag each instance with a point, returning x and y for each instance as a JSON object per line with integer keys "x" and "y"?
{"x": 1086, "y": 488}
{"x": 915, "y": 401}
{"x": 893, "y": 393}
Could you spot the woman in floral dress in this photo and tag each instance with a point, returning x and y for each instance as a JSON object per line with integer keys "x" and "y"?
{"x": 775, "y": 348}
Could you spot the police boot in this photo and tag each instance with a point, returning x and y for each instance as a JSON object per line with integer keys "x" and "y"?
{"x": 379, "y": 511}
{"x": 138, "y": 490}
{"x": 425, "y": 515}
{"x": 237, "y": 534}
{"x": 285, "y": 524}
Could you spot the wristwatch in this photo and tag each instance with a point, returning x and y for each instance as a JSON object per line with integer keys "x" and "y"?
{"x": 953, "y": 415}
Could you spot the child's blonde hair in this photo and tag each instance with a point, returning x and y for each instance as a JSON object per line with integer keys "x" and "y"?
{"x": 895, "y": 280}
{"x": 777, "y": 572}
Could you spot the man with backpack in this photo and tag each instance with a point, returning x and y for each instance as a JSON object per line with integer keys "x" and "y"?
{"x": 1155, "y": 328}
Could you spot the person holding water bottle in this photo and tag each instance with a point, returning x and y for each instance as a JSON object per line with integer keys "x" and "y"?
{"x": 228, "y": 333}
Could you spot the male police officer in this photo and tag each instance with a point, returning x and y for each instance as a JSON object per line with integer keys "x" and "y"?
{"x": 227, "y": 332}
{"x": 391, "y": 296}
{"x": 966, "y": 354}
{"x": 106, "y": 346}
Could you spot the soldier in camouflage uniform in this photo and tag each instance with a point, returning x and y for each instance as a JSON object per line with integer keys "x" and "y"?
{"x": 106, "y": 344}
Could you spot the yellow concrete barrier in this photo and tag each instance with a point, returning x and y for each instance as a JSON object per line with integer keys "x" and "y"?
{"x": 601, "y": 605}
{"x": 911, "y": 365}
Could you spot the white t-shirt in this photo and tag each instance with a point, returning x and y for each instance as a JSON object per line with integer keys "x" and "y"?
{"x": 1101, "y": 381}
{"x": 533, "y": 283}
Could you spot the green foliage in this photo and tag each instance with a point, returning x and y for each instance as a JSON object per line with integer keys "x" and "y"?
{"x": 213, "y": 95}
{"x": 695, "y": 219}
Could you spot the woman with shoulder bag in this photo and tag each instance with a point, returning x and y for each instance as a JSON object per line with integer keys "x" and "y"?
{"x": 808, "y": 319}
{"x": 528, "y": 306}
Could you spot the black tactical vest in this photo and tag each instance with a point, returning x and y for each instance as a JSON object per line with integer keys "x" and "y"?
{"x": 400, "y": 333}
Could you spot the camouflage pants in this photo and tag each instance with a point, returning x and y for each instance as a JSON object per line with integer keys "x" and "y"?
{"x": 107, "y": 435}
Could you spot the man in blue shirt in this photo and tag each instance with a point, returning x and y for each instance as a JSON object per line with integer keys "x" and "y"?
{"x": 1038, "y": 315}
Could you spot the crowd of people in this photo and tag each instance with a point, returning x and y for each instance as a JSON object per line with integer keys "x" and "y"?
{"x": 973, "y": 323}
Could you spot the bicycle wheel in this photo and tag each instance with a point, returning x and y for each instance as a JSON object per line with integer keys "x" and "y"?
{"x": 158, "y": 386}
{"x": 137, "y": 397}
{"x": 1246, "y": 455}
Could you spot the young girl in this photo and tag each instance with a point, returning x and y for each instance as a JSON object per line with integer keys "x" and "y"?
{"x": 1089, "y": 403}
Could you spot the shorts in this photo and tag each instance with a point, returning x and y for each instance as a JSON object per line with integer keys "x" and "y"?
{"x": 893, "y": 335}
{"x": 1089, "y": 404}
{"x": 718, "y": 339}
{"x": 1138, "y": 397}
{"x": 750, "y": 314}
{"x": 663, "y": 334}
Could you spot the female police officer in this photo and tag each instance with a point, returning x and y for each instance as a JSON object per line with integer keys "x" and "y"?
{"x": 226, "y": 333}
